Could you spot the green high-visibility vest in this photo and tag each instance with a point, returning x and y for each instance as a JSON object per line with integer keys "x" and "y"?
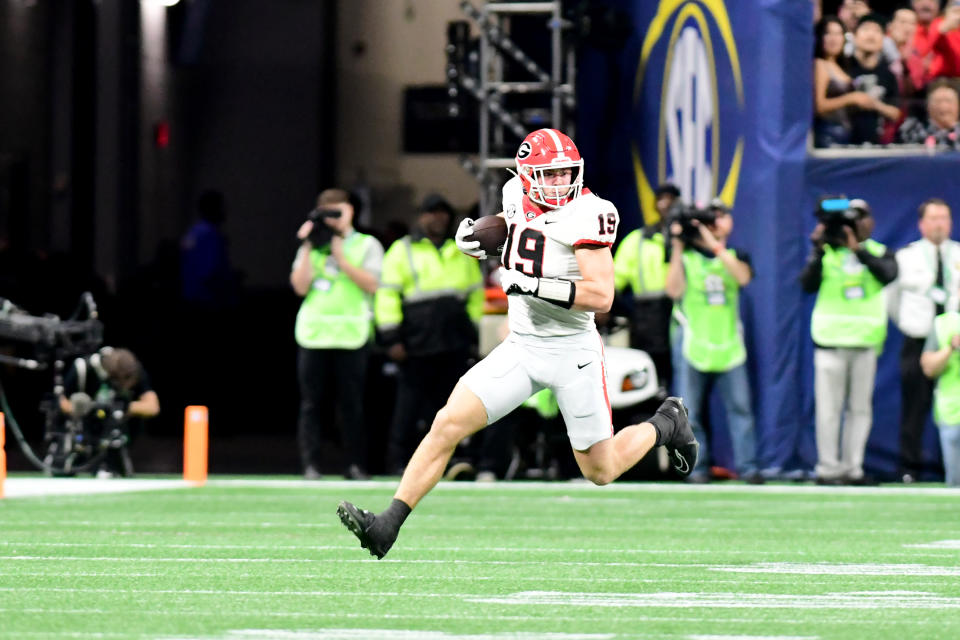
{"x": 416, "y": 271}
{"x": 336, "y": 313}
{"x": 851, "y": 309}
{"x": 713, "y": 335}
{"x": 946, "y": 396}
{"x": 639, "y": 262}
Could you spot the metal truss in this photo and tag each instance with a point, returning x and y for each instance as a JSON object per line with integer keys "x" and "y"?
{"x": 479, "y": 74}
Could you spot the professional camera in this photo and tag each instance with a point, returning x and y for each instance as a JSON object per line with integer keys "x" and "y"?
{"x": 70, "y": 447}
{"x": 685, "y": 214}
{"x": 79, "y": 441}
{"x": 51, "y": 337}
{"x": 837, "y": 212}
{"x": 321, "y": 234}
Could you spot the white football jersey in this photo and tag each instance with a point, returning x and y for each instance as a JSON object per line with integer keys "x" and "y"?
{"x": 541, "y": 243}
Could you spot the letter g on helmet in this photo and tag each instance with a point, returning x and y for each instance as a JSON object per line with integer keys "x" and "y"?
{"x": 543, "y": 150}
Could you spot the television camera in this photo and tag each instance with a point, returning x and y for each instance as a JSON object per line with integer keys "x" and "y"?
{"x": 837, "y": 212}
{"x": 688, "y": 214}
{"x": 52, "y": 338}
{"x": 93, "y": 426}
{"x": 70, "y": 444}
{"x": 321, "y": 234}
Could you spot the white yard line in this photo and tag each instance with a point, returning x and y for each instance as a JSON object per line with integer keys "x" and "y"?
{"x": 35, "y": 487}
{"x": 578, "y": 485}
{"x": 128, "y": 559}
{"x": 434, "y": 549}
{"x": 843, "y": 569}
{"x": 378, "y": 615}
{"x": 939, "y": 544}
{"x": 326, "y": 577}
{"x": 238, "y": 592}
{"x": 21, "y": 487}
{"x": 839, "y": 569}
{"x": 322, "y": 561}
{"x": 387, "y": 634}
{"x": 721, "y": 637}
{"x": 350, "y": 546}
{"x": 858, "y": 600}
{"x": 140, "y": 526}
{"x": 445, "y": 525}
{"x": 68, "y": 634}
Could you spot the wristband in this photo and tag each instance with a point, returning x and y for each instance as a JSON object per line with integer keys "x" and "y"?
{"x": 559, "y": 292}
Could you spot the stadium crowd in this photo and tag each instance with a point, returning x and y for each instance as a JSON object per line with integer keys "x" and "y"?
{"x": 887, "y": 79}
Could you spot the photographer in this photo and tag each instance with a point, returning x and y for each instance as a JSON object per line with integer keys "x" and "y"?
{"x": 336, "y": 270}
{"x": 705, "y": 278}
{"x": 108, "y": 390}
{"x": 848, "y": 270}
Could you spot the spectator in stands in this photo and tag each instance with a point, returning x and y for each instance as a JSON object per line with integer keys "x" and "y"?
{"x": 900, "y": 34}
{"x": 928, "y": 269}
{"x": 833, "y": 88}
{"x": 336, "y": 271}
{"x": 943, "y": 41}
{"x": 849, "y": 12}
{"x": 427, "y": 309}
{"x": 941, "y": 360}
{"x": 871, "y": 76}
{"x": 848, "y": 270}
{"x": 942, "y": 128}
{"x": 641, "y": 265}
{"x": 704, "y": 278}
{"x": 919, "y": 65}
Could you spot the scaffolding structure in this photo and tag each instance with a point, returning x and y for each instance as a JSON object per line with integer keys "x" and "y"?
{"x": 480, "y": 73}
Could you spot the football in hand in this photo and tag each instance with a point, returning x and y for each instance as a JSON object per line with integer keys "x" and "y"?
{"x": 491, "y": 233}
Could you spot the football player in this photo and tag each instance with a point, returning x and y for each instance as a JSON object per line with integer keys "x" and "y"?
{"x": 557, "y": 270}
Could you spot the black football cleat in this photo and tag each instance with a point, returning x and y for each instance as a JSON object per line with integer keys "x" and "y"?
{"x": 683, "y": 447}
{"x": 361, "y": 523}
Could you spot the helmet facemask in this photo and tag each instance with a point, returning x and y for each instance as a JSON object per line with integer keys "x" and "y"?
{"x": 536, "y": 182}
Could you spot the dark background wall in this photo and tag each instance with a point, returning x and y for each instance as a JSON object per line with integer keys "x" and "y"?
{"x": 267, "y": 102}
{"x": 24, "y": 110}
{"x": 253, "y": 120}
{"x": 246, "y": 94}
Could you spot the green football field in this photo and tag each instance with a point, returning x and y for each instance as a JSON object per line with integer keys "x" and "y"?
{"x": 246, "y": 559}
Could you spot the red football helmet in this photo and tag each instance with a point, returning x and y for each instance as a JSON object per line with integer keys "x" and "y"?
{"x": 547, "y": 150}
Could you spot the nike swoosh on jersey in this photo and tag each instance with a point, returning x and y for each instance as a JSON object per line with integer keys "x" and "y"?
{"x": 581, "y": 366}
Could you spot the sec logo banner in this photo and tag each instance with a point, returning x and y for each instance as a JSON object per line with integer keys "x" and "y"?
{"x": 689, "y": 75}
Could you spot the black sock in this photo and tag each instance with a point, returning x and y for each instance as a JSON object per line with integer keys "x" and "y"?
{"x": 664, "y": 426}
{"x": 394, "y": 515}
